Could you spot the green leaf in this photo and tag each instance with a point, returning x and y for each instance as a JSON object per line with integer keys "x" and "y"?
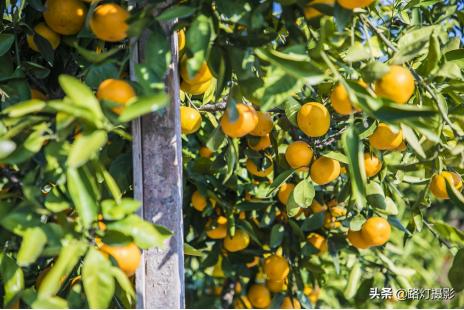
{"x": 412, "y": 140}
{"x": 354, "y": 150}
{"x": 456, "y": 272}
{"x": 448, "y": 232}
{"x": 216, "y": 139}
{"x": 34, "y": 240}
{"x": 304, "y": 192}
{"x": 144, "y": 106}
{"x": 412, "y": 44}
{"x": 24, "y": 108}
{"x": 455, "y": 195}
{"x": 430, "y": 63}
{"x": 81, "y": 196}
{"x": 70, "y": 255}
{"x": 337, "y": 156}
{"x": 6, "y": 148}
{"x": 6, "y": 41}
{"x": 279, "y": 180}
{"x": 145, "y": 234}
{"x": 86, "y": 147}
{"x": 277, "y": 235}
{"x": 12, "y": 278}
{"x": 374, "y": 71}
{"x": 116, "y": 211}
{"x": 81, "y": 95}
{"x": 176, "y": 11}
{"x": 93, "y": 56}
{"x": 97, "y": 277}
{"x": 353, "y": 281}
{"x": 313, "y": 222}
{"x": 375, "y": 195}
{"x": 298, "y": 66}
{"x": 292, "y": 107}
{"x": 191, "y": 251}
{"x": 397, "y": 112}
{"x": 28, "y": 147}
{"x": 124, "y": 282}
{"x": 199, "y": 36}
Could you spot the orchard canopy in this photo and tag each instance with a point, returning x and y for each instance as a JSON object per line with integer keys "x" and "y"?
{"x": 322, "y": 145}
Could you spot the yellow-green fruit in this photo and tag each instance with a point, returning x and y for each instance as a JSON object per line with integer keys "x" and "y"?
{"x": 190, "y": 120}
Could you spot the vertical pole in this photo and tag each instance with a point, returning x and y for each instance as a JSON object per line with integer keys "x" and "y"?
{"x": 157, "y": 161}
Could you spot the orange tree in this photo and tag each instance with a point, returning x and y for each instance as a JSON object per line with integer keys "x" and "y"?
{"x": 68, "y": 229}
{"x": 322, "y": 150}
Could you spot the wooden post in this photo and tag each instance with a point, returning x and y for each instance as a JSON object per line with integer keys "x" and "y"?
{"x": 157, "y": 161}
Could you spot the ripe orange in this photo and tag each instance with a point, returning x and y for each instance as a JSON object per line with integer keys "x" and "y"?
{"x": 108, "y": 22}
{"x": 65, "y": 16}
{"x": 318, "y": 241}
{"x": 324, "y": 170}
{"x": 340, "y": 100}
{"x": 330, "y": 222}
{"x": 127, "y": 256}
{"x": 219, "y": 230}
{"x": 262, "y": 144}
{"x": 384, "y": 138}
{"x": 312, "y": 293}
{"x": 45, "y": 32}
{"x": 337, "y": 211}
{"x": 242, "y": 302}
{"x": 253, "y": 169}
{"x": 311, "y": 12}
{"x": 264, "y": 125}
{"x": 438, "y": 183}
{"x": 276, "y": 267}
{"x": 245, "y": 123}
{"x": 316, "y": 207}
{"x": 117, "y": 91}
{"x": 285, "y": 191}
{"x": 190, "y": 120}
{"x": 203, "y": 75}
{"x": 376, "y": 231}
{"x": 198, "y": 201}
{"x": 205, "y": 152}
{"x": 37, "y": 94}
{"x": 313, "y": 119}
{"x": 356, "y": 239}
{"x": 290, "y": 303}
{"x": 353, "y": 4}
{"x": 397, "y": 85}
{"x": 372, "y": 165}
{"x": 195, "y": 89}
{"x": 259, "y": 296}
{"x": 238, "y": 242}
{"x": 276, "y": 286}
{"x": 299, "y": 155}
{"x": 181, "y": 39}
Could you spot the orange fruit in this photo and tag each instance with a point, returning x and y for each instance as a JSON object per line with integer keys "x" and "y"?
{"x": 45, "y": 32}
{"x": 312, "y": 12}
{"x": 37, "y": 94}
{"x": 198, "y": 201}
{"x": 290, "y": 303}
{"x": 330, "y": 222}
{"x": 253, "y": 169}
{"x": 316, "y": 207}
{"x": 254, "y": 262}
{"x": 340, "y": 100}
{"x": 384, "y": 138}
{"x": 108, "y": 22}
{"x": 375, "y": 231}
{"x": 402, "y": 147}
{"x": 65, "y": 16}
{"x": 372, "y": 165}
{"x": 324, "y": 170}
{"x": 181, "y": 39}
{"x": 299, "y": 155}
{"x": 262, "y": 144}
{"x": 312, "y": 293}
{"x": 438, "y": 183}
{"x": 354, "y": 4}
{"x": 276, "y": 286}
{"x": 127, "y": 256}
{"x": 285, "y": 191}
{"x": 337, "y": 211}
{"x": 397, "y": 85}
{"x": 318, "y": 241}
{"x": 245, "y": 123}
{"x": 117, "y": 91}
{"x": 238, "y": 242}
{"x": 190, "y": 120}
{"x": 356, "y": 239}
{"x": 202, "y": 76}
{"x": 205, "y": 152}
{"x": 259, "y": 296}
{"x": 264, "y": 125}
{"x": 276, "y": 267}
{"x": 195, "y": 89}
{"x": 313, "y": 119}
{"x": 219, "y": 230}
